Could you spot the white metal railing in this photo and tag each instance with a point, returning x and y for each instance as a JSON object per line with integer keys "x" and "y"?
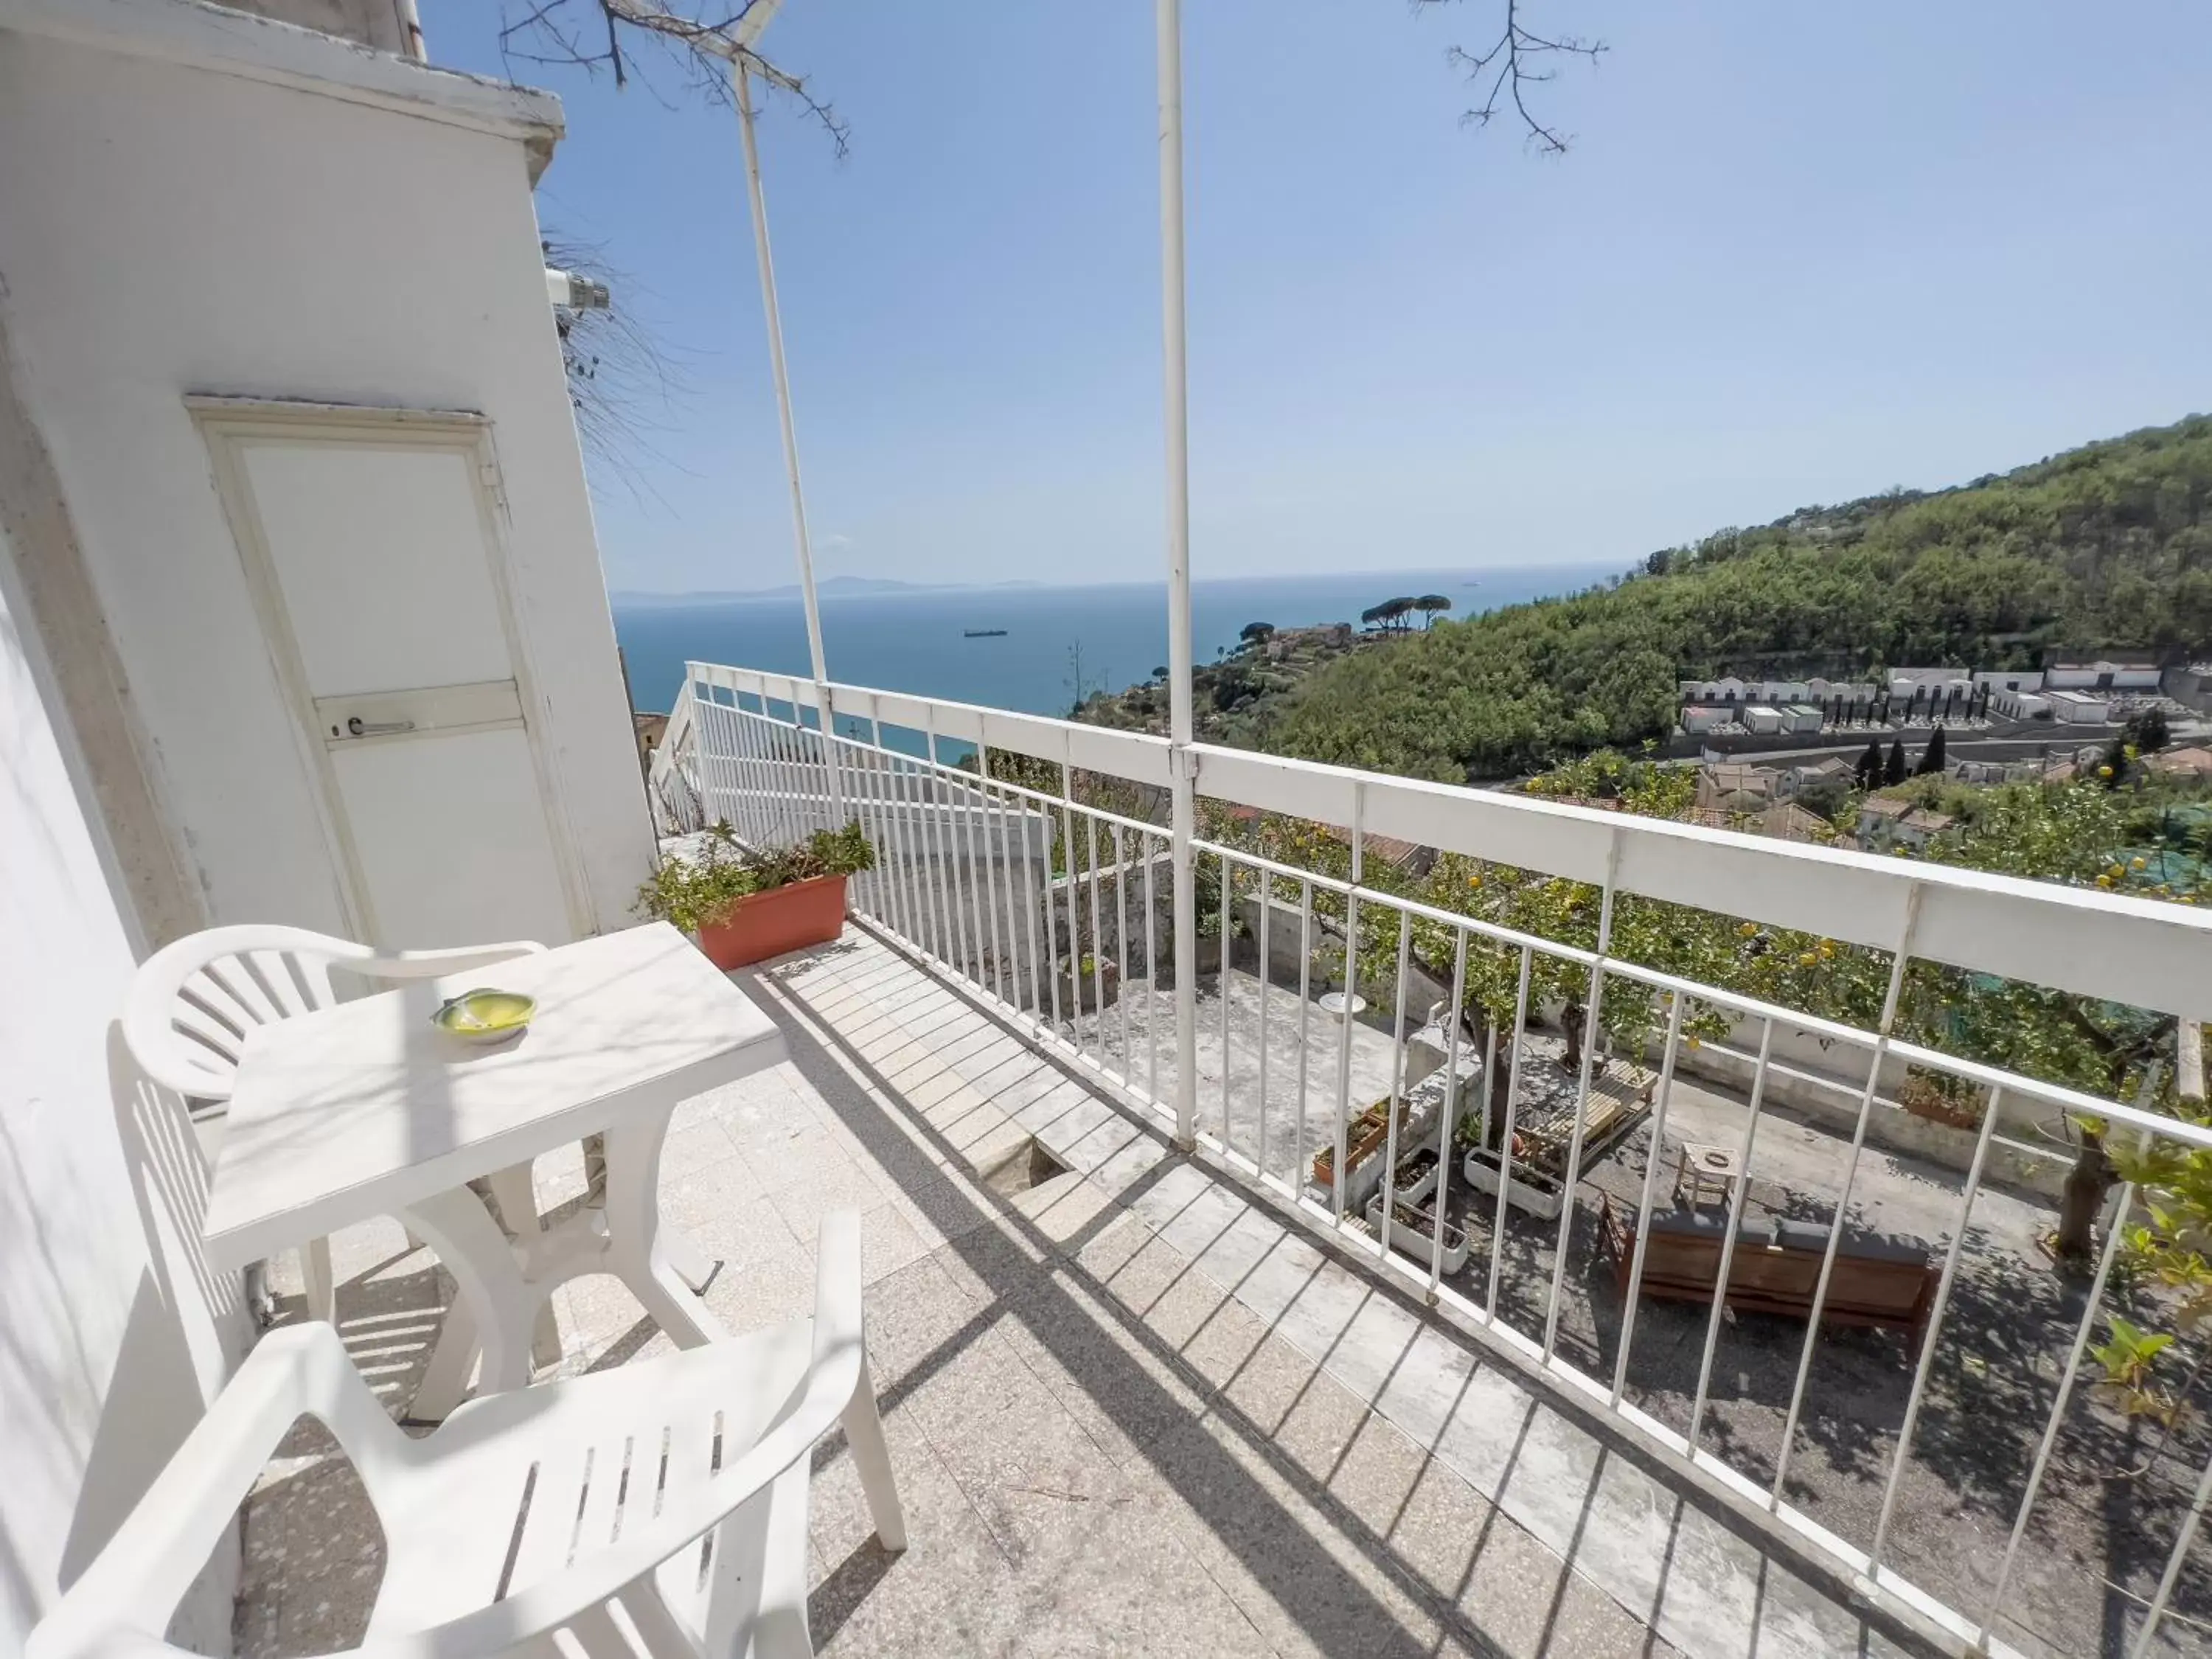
{"x": 1027, "y": 882}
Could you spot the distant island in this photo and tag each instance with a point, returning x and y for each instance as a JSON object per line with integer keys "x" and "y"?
{"x": 2101, "y": 551}
{"x": 828, "y": 587}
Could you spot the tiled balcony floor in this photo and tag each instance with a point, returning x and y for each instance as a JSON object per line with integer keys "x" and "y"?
{"x": 1130, "y": 1413}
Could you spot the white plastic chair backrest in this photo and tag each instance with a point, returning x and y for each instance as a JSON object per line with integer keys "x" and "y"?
{"x": 193, "y": 1003}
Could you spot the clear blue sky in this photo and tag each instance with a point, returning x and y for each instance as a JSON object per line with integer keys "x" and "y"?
{"x": 1797, "y": 254}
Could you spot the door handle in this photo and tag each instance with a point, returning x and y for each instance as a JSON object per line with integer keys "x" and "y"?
{"x": 358, "y": 727}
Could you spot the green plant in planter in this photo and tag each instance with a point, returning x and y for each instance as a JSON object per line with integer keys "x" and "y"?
{"x": 697, "y": 892}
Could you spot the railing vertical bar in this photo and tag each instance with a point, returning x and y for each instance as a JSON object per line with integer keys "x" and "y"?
{"x": 1267, "y": 891}
{"x": 858, "y": 764}
{"x": 946, "y": 842}
{"x": 861, "y": 890}
{"x": 1074, "y": 909}
{"x": 955, "y": 888}
{"x": 735, "y": 728}
{"x": 719, "y": 736}
{"x": 758, "y": 730}
{"x": 1007, "y": 825}
{"x": 1736, "y": 1200}
{"x": 959, "y": 829}
{"x": 767, "y": 733}
{"x": 1048, "y": 900}
{"x": 983, "y": 875}
{"x": 814, "y": 748}
{"x": 916, "y": 854}
{"x": 1300, "y": 1170}
{"x": 2089, "y": 1311}
{"x": 1593, "y": 1030}
{"x": 706, "y": 758}
{"x": 1397, "y": 1087}
{"x": 1228, "y": 908}
{"x": 1506, "y": 1139}
{"x": 1889, "y": 1006}
{"x": 788, "y": 783}
{"x": 1351, "y": 984}
{"x": 1097, "y": 942}
{"x": 981, "y": 889}
{"x": 889, "y": 765}
{"x": 1654, "y": 1157}
{"x": 938, "y": 868}
{"x": 1447, "y": 1111}
{"x": 713, "y": 774}
{"x": 1122, "y": 992}
{"x": 1151, "y": 974}
{"x": 1932, "y": 1333}
{"x": 792, "y": 777}
{"x": 1035, "y": 893}
{"x": 2156, "y": 1611}
{"x": 998, "y": 984}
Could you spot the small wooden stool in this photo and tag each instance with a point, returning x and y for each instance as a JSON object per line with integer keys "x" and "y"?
{"x": 1703, "y": 1169}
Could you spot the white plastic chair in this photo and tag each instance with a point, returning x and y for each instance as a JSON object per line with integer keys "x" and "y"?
{"x": 192, "y": 1003}
{"x": 542, "y": 1509}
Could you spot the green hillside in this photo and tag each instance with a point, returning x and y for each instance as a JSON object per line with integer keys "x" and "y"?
{"x": 2107, "y": 547}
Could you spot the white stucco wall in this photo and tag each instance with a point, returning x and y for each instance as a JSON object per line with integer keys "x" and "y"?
{"x": 112, "y": 1334}
{"x": 167, "y": 228}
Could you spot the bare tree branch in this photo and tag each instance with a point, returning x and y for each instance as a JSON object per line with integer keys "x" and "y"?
{"x": 697, "y": 44}
{"x": 1518, "y": 59}
{"x": 623, "y": 381}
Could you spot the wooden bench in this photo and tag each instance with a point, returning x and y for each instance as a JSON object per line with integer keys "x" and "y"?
{"x": 1776, "y": 1268}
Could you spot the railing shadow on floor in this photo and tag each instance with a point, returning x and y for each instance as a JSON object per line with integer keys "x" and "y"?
{"x": 1313, "y": 1587}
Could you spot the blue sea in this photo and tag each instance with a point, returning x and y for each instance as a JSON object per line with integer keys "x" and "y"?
{"x": 1107, "y": 636}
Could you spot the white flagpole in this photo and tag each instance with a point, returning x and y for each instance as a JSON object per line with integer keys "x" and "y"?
{"x": 1184, "y": 821}
{"x": 743, "y": 84}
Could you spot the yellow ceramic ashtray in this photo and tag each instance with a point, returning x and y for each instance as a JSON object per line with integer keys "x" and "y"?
{"x": 486, "y": 1016}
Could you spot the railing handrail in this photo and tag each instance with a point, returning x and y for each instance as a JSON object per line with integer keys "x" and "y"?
{"x": 2144, "y": 952}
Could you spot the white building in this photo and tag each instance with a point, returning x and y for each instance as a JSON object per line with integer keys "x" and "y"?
{"x": 1988, "y": 771}
{"x": 1830, "y": 769}
{"x": 2077, "y": 708}
{"x": 2008, "y": 679}
{"x": 1929, "y": 686}
{"x": 2011, "y": 705}
{"x": 1761, "y": 720}
{"x": 2102, "y": 675}
{"x": 1705, "y": 718}
{"x": 1726, "y": 689}
{"x": 264, "y": 472}
{"x": 1802, "y": 717}
{"x": 1847, "y": 691}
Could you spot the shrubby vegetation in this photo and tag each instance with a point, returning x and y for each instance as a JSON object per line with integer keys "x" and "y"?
{"x": 2106, "y": 547}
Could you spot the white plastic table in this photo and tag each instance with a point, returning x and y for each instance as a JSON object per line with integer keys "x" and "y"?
{"x": 367, "y": 1109}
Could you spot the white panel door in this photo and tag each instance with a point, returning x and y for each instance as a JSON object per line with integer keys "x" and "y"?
{"x": 372, "y": 544}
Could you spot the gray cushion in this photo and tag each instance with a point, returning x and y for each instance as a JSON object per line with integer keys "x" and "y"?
{"x": 1813, "y": 1236}
{"x": 1711, "y": 1223}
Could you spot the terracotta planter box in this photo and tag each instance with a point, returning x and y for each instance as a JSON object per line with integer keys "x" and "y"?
{"x": 782, "y": 919}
